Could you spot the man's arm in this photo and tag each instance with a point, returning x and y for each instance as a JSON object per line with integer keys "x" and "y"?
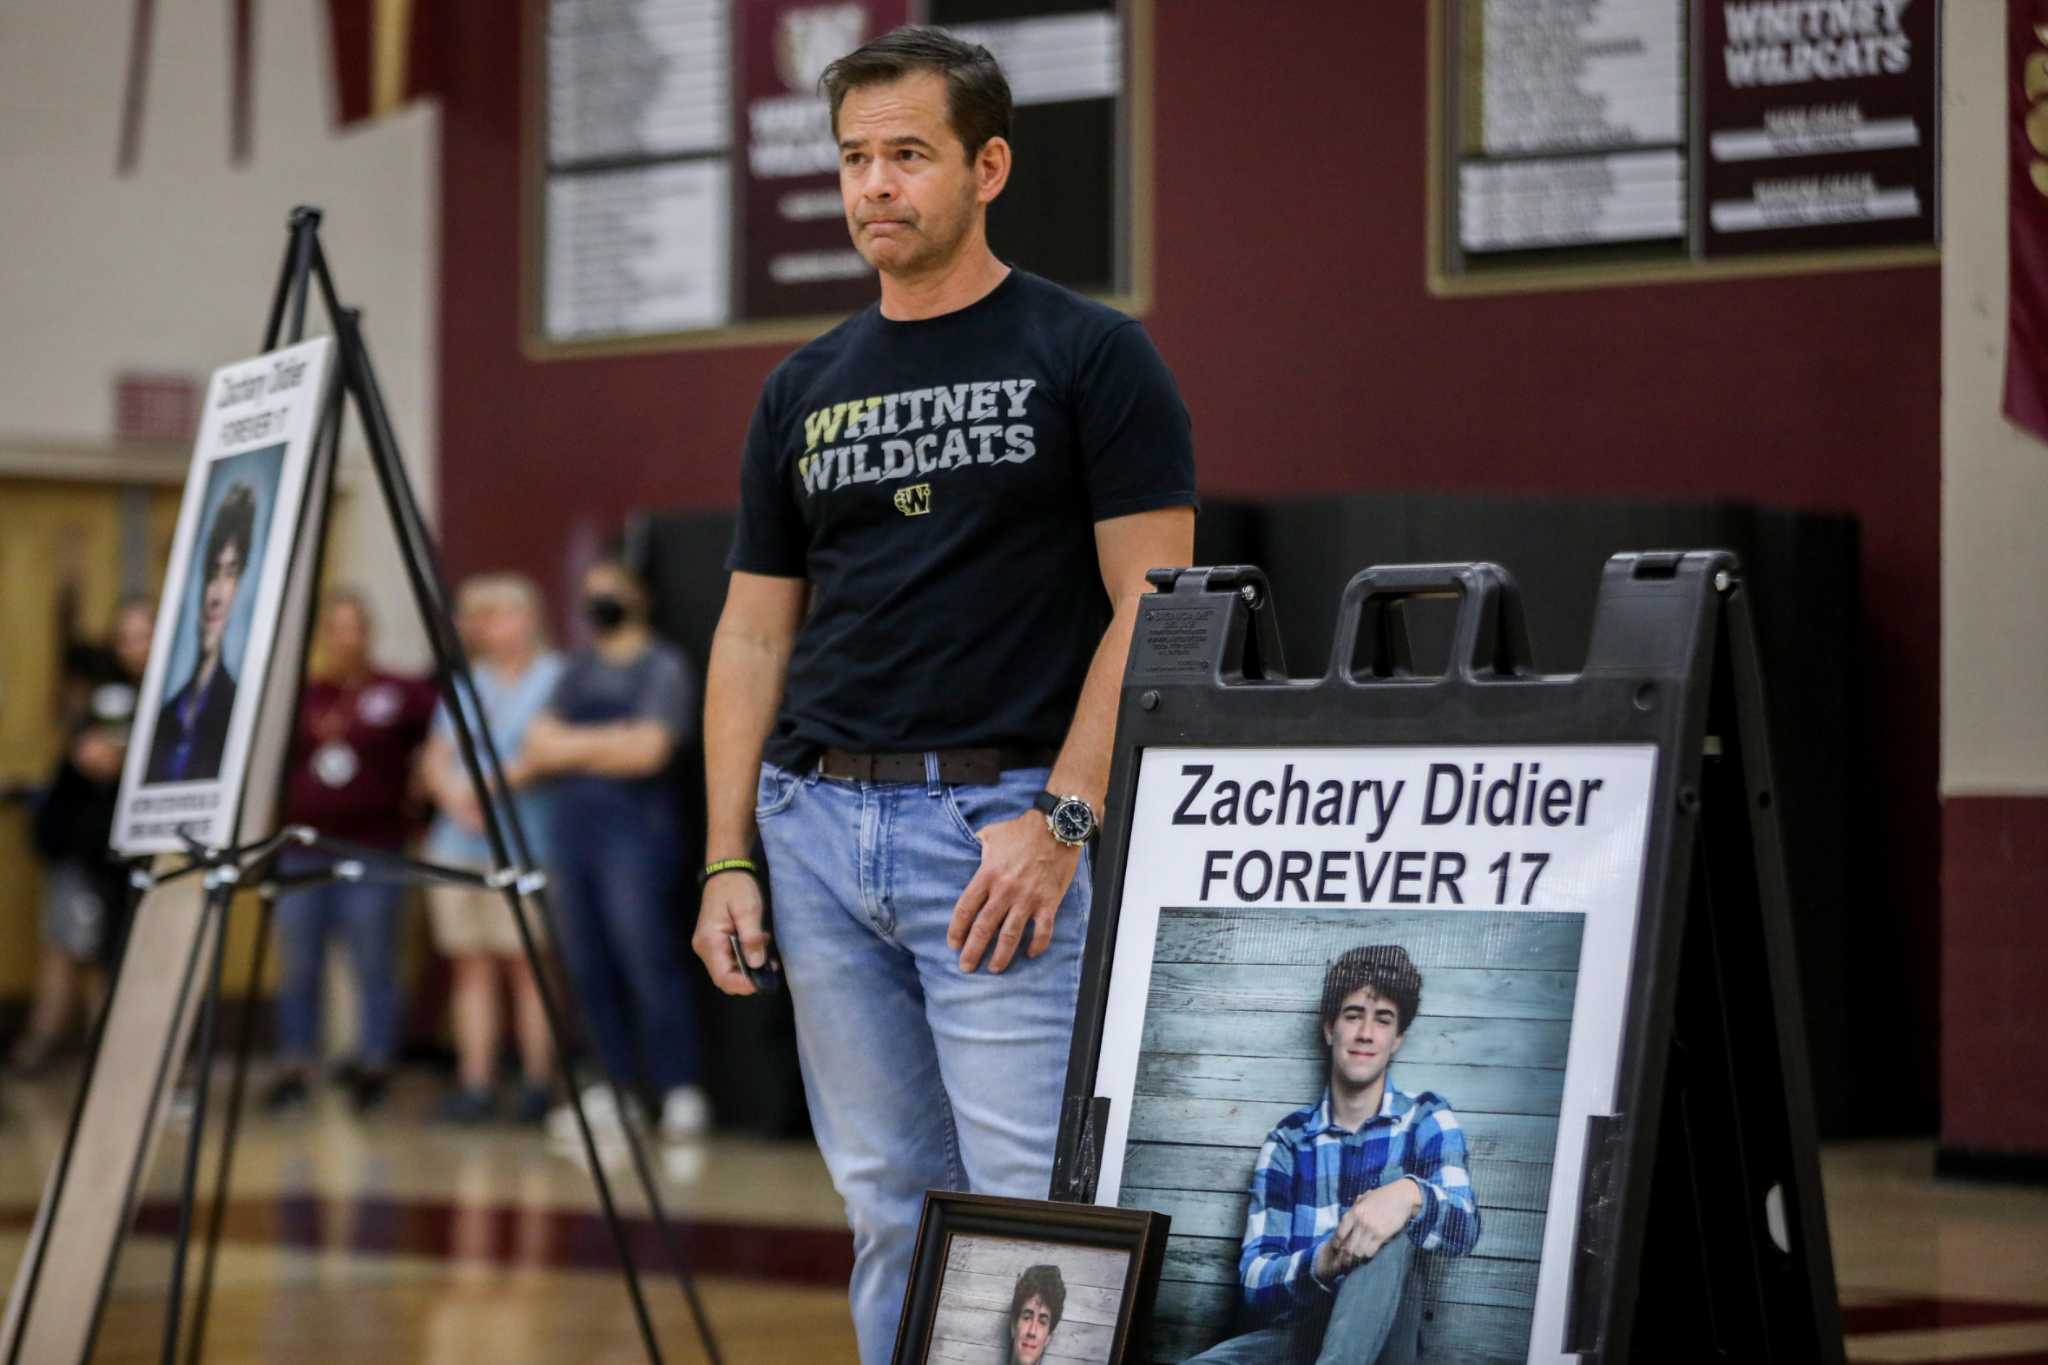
{"x": 1024, "y": 870}
{"x": 743, "y": 689}
{"x": 626, "y": 748}
{"x": 1274, "y": 1271}
{"x": 1448, "y": 1221}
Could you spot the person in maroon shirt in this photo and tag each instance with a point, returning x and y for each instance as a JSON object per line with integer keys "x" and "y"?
{"x": 351, "y": 778}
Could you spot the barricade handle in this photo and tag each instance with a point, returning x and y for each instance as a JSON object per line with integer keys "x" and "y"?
{"x": 1491, "y": 641}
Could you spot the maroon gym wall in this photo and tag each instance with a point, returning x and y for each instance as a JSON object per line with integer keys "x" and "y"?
{"x": 1290, "y": 300}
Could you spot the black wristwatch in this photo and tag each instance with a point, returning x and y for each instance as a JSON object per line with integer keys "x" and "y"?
{"x": 1071, "y": 820}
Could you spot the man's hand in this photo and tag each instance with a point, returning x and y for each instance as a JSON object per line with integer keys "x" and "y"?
{"x": 732, "y": 905}
{"x": 464, "y": 809}
{"x": 1382, "y": 1213}
{"x": 546, "y": 746}
{"x": 1374, "y": 1219}
{"x": 1024, "y": 874}
{"x": 1344, "y": 1248}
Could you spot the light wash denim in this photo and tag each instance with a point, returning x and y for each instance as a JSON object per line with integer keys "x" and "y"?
{"x": 365, "y": 915}
{"x": 1373, "y": 1319}
{"x": 919, "y": 1075}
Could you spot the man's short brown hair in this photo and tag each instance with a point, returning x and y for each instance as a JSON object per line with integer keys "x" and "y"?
{"x": 1382, "y": 968}
{"x": 977, "y": 92}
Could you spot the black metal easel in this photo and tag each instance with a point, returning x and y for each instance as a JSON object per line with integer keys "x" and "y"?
{"x": 514, "y": 875}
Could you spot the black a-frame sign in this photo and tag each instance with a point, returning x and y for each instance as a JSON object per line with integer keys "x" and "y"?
{"x": 1600, "y": 1079}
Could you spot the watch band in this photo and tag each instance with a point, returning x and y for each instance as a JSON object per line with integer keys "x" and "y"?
{"x": 1049, "y": 802}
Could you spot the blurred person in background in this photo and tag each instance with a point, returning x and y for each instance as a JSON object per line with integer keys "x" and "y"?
{"x": 353, "y": 751}
{"x": 85, "y": 895}
{"x": 500, "y": 618}
{"x": 618, "y": 714}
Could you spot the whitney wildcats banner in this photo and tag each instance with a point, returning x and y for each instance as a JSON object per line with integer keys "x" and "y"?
{"x": 1818, "y": 122}
{"x": 2026, "y": 341}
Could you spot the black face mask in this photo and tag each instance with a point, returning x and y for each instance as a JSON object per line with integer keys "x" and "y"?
{"x": 606, "y": 612}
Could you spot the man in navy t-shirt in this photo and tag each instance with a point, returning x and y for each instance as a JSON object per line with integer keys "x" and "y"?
{"x": 948, "y": 504}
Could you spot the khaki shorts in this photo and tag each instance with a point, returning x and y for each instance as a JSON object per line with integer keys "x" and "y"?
{"x": 469, "y": 920}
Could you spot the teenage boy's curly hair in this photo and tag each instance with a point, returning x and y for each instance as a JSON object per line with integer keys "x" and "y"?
{"x": 1382, "y": 968}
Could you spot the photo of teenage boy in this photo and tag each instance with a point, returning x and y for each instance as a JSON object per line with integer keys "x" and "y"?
{"x": 1035, "y": 1308}
{"x": 192, "y": 728}
{"x": 1350, "y": 1190}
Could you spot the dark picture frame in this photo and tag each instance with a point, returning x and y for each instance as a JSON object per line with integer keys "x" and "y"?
{"x": 954, "y": 1219}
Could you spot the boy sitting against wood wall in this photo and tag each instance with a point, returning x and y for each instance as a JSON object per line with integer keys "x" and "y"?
{"x": 1337, "y": 1183}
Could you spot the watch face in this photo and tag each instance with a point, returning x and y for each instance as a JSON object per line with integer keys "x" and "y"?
{"x": 1072, "y": 822}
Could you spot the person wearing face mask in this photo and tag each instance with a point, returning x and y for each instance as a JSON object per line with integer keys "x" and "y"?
{"x": 604, "y": 742}
{"x": 85, "y": 900}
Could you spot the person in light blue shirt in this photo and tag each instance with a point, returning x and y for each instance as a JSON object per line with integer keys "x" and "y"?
{"x": 499, "y": 616}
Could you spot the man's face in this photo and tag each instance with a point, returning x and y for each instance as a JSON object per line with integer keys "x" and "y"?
{"x": 1031, "y": 1330}
{"x": 911, "y": 194}
{"x": 223, "y": 577}
{"x": 1363, "y": 1038}
{"x": 503, "y": 628}
{"x": 131, "y": 640}
{"x": 345, "y": 637}
{"x": 602, "y": 580}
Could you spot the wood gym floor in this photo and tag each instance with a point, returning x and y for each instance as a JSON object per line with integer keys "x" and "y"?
{"x": 395, "y": 1240}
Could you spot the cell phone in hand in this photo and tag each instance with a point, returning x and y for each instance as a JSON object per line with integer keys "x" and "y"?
{"x": 766, "y": 980}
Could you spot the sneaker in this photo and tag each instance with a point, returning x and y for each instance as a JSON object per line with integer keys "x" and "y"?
{"x": 366, "y": 1089}
{"x": 33, "y": 1056}
{"x": 466, "y": 1107}
{"x": 685, "y": 1113}
{"x": 184, "y": 1104}
{"x": 287, "y": 1094}
{"x": 601, "y": 1109}
{"x": 532, "y": 1105}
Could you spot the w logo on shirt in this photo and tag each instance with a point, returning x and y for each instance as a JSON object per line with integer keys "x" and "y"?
{"x": 914, "y": 501}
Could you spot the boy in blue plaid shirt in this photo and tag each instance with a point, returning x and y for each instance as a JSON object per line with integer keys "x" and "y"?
{"x": 1349, "y": 1189}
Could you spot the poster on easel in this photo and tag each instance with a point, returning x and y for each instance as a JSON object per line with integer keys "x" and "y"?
{"x": 1446, "y": 930}
{"x": 1407, "y": 989}
{"x": 224, "y": 598}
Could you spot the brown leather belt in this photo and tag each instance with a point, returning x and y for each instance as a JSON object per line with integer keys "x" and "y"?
{"x": 957, "y": 767}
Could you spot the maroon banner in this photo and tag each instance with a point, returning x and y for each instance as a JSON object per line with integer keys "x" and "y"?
{"x": 797, "y": 259}
{"x": 1817, "y": 124}
{"x": 2026, "y": 329}
{"x": 412, "y": 59}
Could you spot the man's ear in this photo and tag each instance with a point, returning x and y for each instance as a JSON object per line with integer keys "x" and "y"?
{"x": 1395, "y": 1049}
{"x": 1329, "y": 1035}
{"x": 991, "y": 169}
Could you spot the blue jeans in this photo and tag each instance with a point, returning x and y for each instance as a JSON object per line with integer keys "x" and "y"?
{"x": 365, "y": 915}
{"x": 1374, "y": 1318}
{"x": 919, "y": 1076}
{"x": 614, "y": 879}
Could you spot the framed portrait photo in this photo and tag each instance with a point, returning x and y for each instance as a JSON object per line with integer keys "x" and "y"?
{"x": 1029, "y": 1282}
{"x": 217, "y": 631}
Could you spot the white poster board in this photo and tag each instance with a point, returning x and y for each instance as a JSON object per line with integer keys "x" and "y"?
{"x": 224, "y": 591}
{"x": 1512, "y": 875}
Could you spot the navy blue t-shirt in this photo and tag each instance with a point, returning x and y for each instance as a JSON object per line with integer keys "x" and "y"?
{"x": 939, "y": 482}
{"x": 658, "y": 684}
